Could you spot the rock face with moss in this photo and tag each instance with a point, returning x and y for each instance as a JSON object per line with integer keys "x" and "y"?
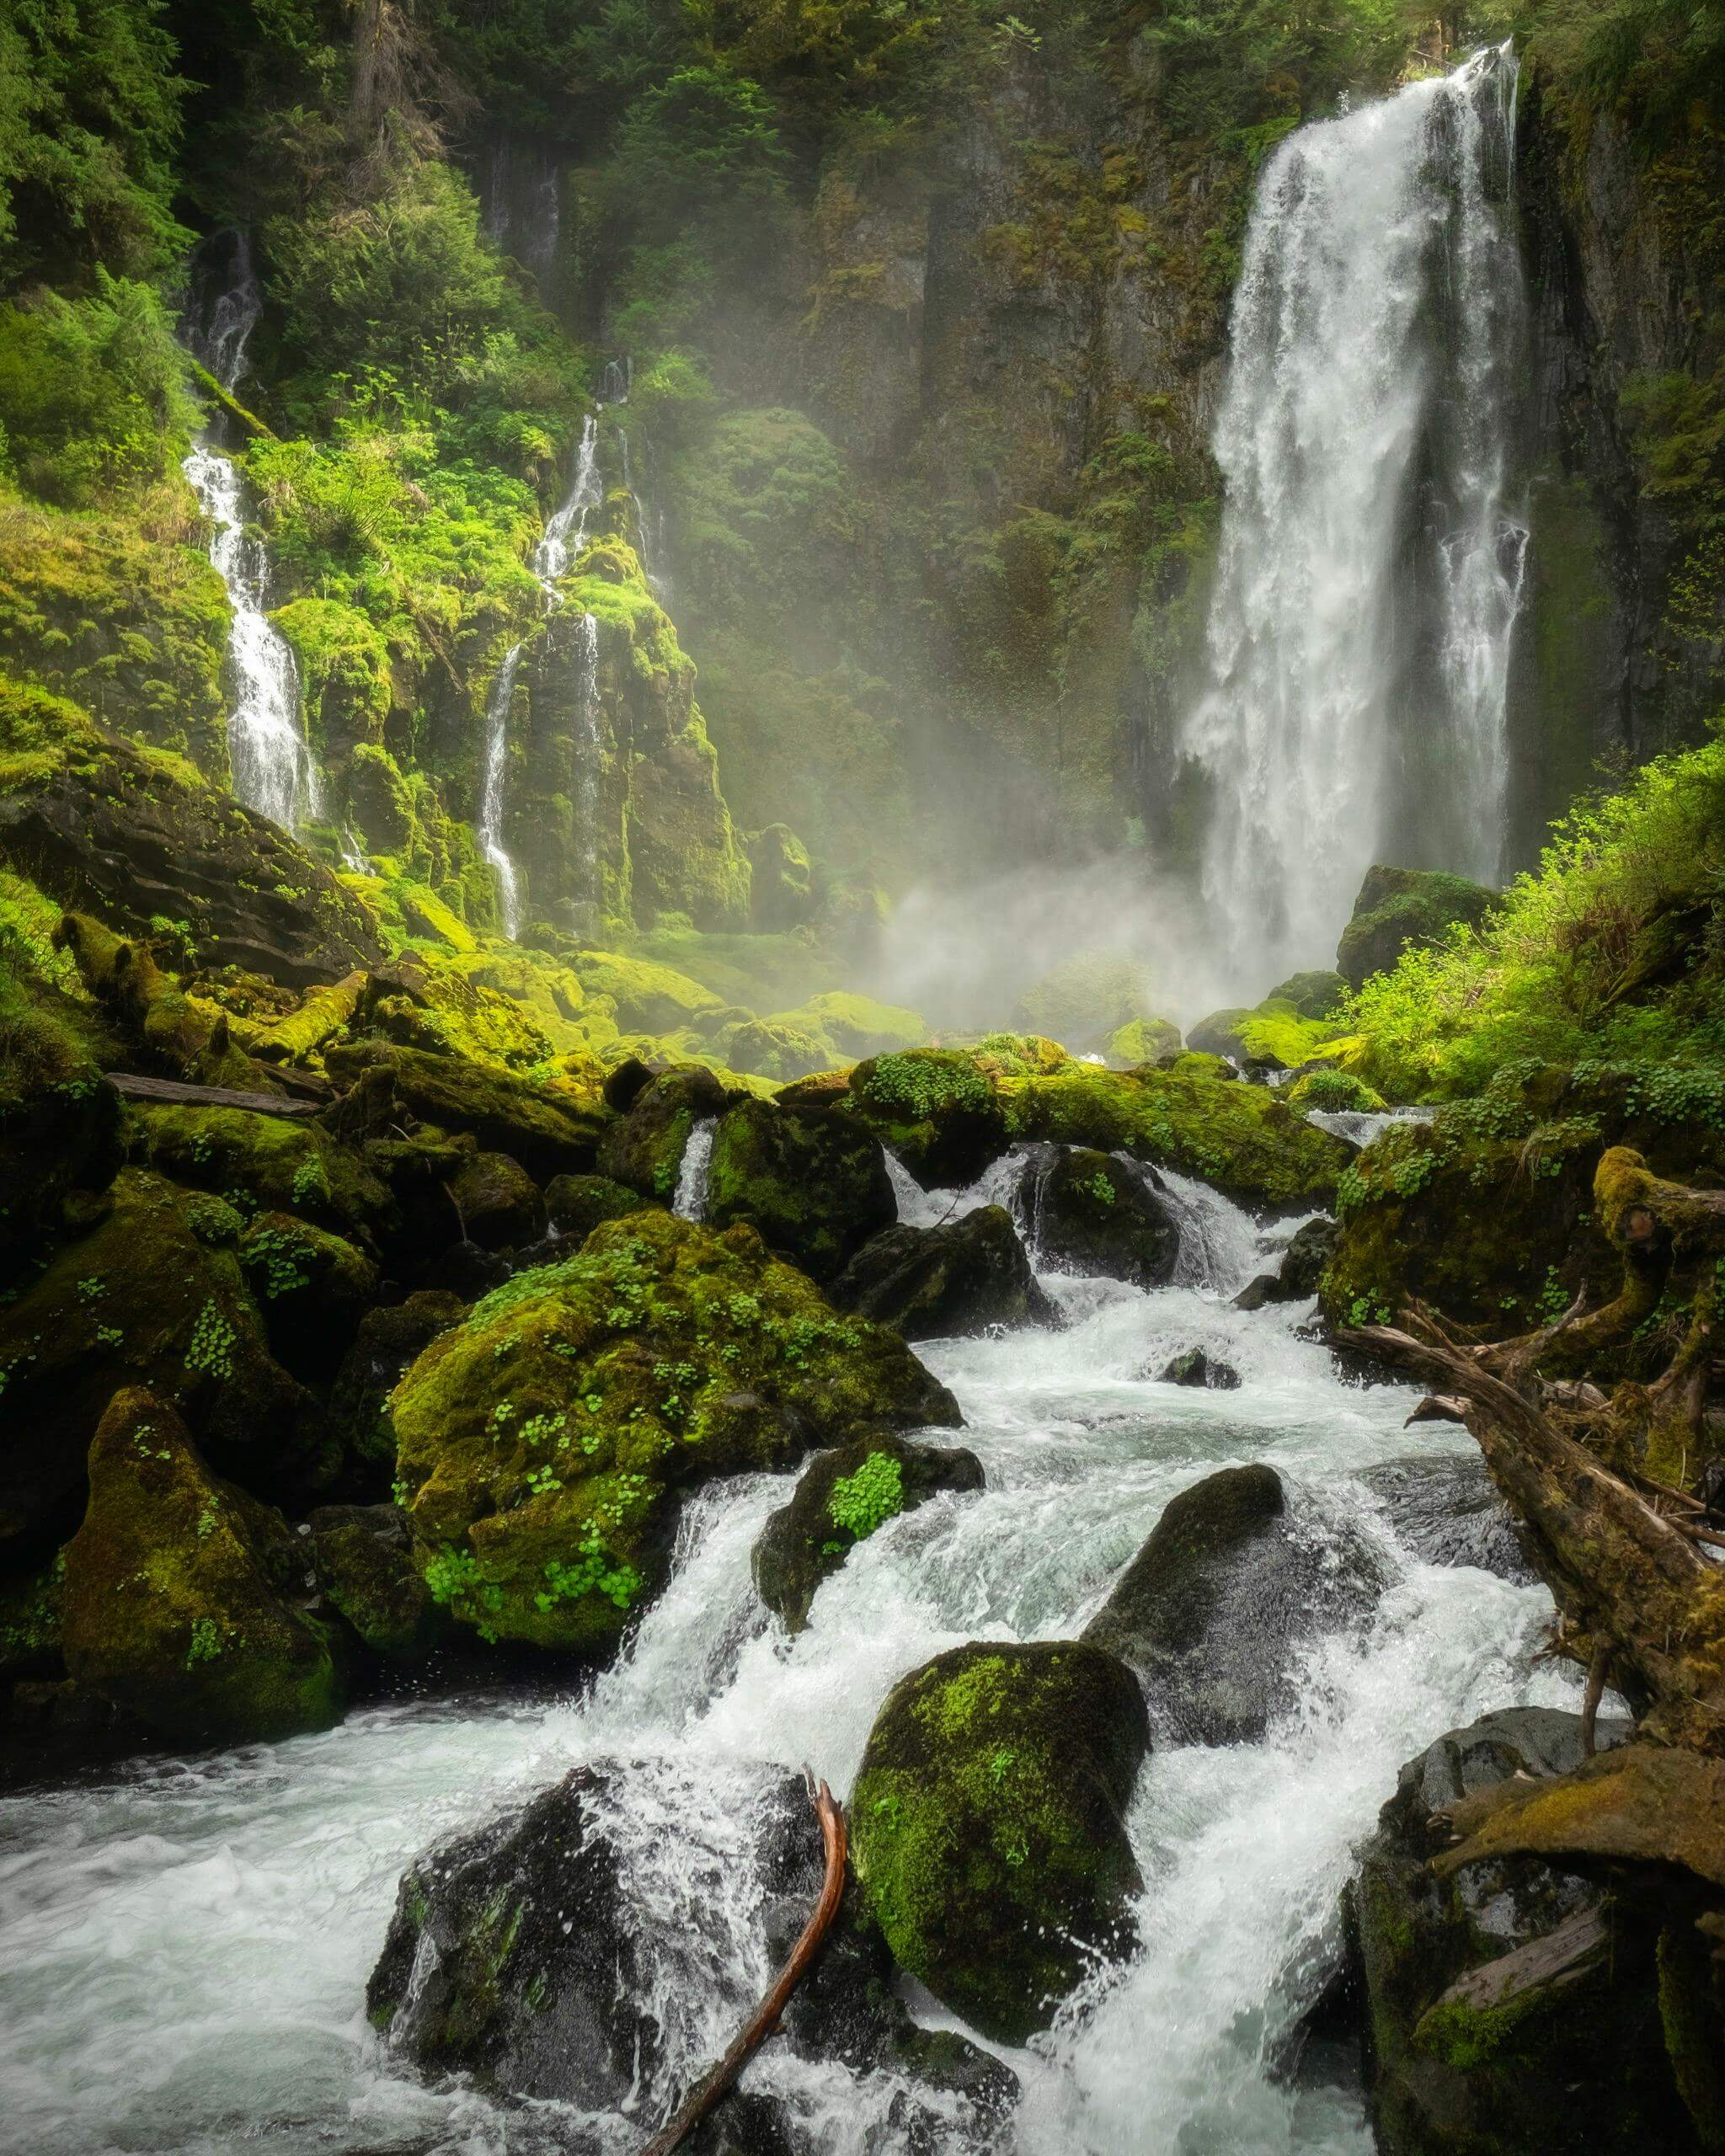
{"x": 933, "y": 1108}
{"x": 544, "y": 1443}
{"x": 1514, "y": 2005}
{"x": 812, "y": 1183}
{"x": 1401, "y": 907}
{"x": 1096, "y": 1215}
{"x": 181, "y": 1593}
{"x": 986, "y": 1825}
{"x": 644, "y": 1151}
{"x": 841, "y": 1499}
{"x": 1212, "y": 1611}
{"x": 958, "y": 1279}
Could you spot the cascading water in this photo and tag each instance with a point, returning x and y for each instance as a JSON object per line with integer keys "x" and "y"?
{"x": 272, "y": 765}
{"x": 690, "y": 1201}
{"x": 185, "y": 1945}
{"x": 1371, "y": 567}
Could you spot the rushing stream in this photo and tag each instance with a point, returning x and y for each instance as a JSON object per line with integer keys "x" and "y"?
{"x": 185, "y": 1943}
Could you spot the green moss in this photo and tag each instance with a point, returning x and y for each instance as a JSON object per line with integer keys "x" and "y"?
{"x": 864, "y": 1501}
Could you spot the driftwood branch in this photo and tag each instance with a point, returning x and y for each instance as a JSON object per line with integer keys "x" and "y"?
{"x": 134, "y": 1087}
{"x": 766, "y": 2017}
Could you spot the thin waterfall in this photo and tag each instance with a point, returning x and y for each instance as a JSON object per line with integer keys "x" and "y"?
{"x": 1369, "y": 574}
{"x": 272, "y": 765}
{"x": 589, "y": 748}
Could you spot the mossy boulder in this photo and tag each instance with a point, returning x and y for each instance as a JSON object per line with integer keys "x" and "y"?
{"x": 1084, "y": 999}
{"x": 1334, "y": 1092}
{"x": 391, "y": 1336}
{"x": 987, "y": 1826}
{"x": 151, "y": 1292}
{"x": 1311, "y": 995}
{"x": 644, "y": 1151}
{"x": 371, "y": 1574}
{"x": 935, "y": 1110}
{"x": 263, "y": 1163}
{"x": 1213, "y": 1610}
{"x": 781, "y": 881}
{"x": 1240, "y": 1138}
{"x": 60, "y": 1120}
{"x": 1514, "y": 2005}
{"x": 544, "y": 1443}
{"x": 312, "y": 1288}
{"x": 778, "y": 1049}
{"x": 960, "y": 1278}
{"x": 498, "y": 1202}
{"x": 811, "y": 1181}
{"x": 547, "y": 1128}
{"x": 32, "y": 1606}
{"x": 1400, "y": 908}
{"x": 1096, "y": 1215}
{"x": 648, "y": 998}
{"x": 853, "y": 1026}
{"x": 574, "y": 1205}
{"x": 179, "y": 1603}
{"x": 1144, "y": 1040}
{"x": 841, "y": 1499}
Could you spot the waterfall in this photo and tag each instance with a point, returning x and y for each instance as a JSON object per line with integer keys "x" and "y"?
{"x": 272, "y": 766}
{"x": 1369, "y": 572}
{"x": 589, "y": 748}
{"x": 491, "y": 831}
{"x": 690, "y": 1201}
{"x": 567, "y": 529}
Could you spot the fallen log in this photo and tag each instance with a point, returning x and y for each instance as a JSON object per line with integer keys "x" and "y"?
{"x": 132, "y": 1086}
{"x": 766, "y": 2017}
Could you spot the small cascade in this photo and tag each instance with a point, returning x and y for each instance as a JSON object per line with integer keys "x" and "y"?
{"x": 1370, "y": 568}
{"x": 273, "y": 769}
{"x": 1220, "y": 1243}
{"x": 690, "y": 1201}
{"x": 1359, "y": 1126}
{"x": 617, "y": 380}
{"x": 490, "y": 828}
{"x": 566, "y": 531}
{"x": 589, "y": 749}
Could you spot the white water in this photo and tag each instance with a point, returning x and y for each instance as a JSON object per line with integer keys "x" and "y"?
{"x": 184, "y": 1946}
{"x": 690, "y": 1201}
{"x": 273, "y": 769}
{"x": 1370, "y": 566}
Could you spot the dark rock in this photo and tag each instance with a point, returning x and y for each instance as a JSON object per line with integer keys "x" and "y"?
{"x": 312, "y": 1288}
{"x": 1212, "y": 1611}
{"x": 1258, "y": 1294}
{"x": 1094, "y": 1214}
{"x": 1448, "y": 1512}
{"x": 882, "y": 1476}
{"x": 811, "y": 1182}
{"x": 365, "y": 1565}
{"x": 574, "y": 1205}
{"x": 1311, "y": 995}
{"x": 498, "y": 1201}
{"x": 1194, "y": 1367}
{"x": 644, "y": 1152}
{"x": 1512, "y": 2006}
{"x": 1401, "y": 907}
{"x": 389, "y": 1339}
{"x": 467, "y": 1270}
{"x": 548, "y": 1134}
{"x": 625, "y": 1085}
{"x": 1307, "y": 1254}
{"x": 934, "y": 1110}
{"x": 987, "y": 1827}
{"x": 960, "y": 1278}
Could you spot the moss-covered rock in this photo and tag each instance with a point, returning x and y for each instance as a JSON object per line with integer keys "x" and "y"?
{"x": 1097, "y": 1215}
{"x": 935, "y": 1109}
{"x": 270, "y": 1164}
{"x": 498, "y": 1202}
{"x": 960, "y": 1278}
{"x": 1241, "y": 1138}
{"x": 542, "y": 1444}
{"x": 312, "y": 1288}
{"x": 810, "y": 1181}
{"x": 1334, "y": 1092}
{"x": 778, "y": 1048}
{"x": 644, "y": 1152}
{"x": 853, "y": 1026}
{"x": 150, "y": 1293}
{"x": 177, "y": 1602}
{"x": 1086, "y": 998}
{"x": 32, "y": 1606}
{"x": 1213, "y": 1610}
{"x": 986, "y": 1825}
{"x": 1311, "y": 995}
{"x": 371, "y": 1576}
{"x": 391, "y": 1338}
{"x": 549, "y": 1129}
{"x": 781, "y": 883}
{"x": 647, "y": 997}
{"x": 575, "y": 1205}
{"x": 1515, "y": 2006}
{"x": 59, "y": 1118}
{"x": 1144, "y": 1040}
{"x": 841, "y": 1499}
{"x": 1401, "y": 907}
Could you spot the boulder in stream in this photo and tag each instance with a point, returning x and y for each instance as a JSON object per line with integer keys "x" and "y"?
{"x": 1213, "y": 1609}
{"x": 935, "y": 1110}
{"x": 811, "y": 1181}
{"x": 1192, "y": 1366}
{"x": 644, "y": 1151}
{"x": 840, "y": 1500}
{"x": 987, "y": 1825}
{"x": 1447, "y": 1510}
{"x": 1512, "y": 2006}
{"x": 958, "y": 1279}
{"x": 1095, "y": 1214}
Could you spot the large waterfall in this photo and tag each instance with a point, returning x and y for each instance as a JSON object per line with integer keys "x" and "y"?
{"x": 272, "y": 766}
{"x": 1370, "y": 566}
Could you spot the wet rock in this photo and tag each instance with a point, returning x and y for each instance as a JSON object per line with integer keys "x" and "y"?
{"x": 1400, "y": 908}
{"x": 275, "y": 1164}
{"x": 1448, "y": 1512}
{"x": 1259, "y": 1293}
{"x": 953, "y": 1280}
{"x": 841, "y": 1499}
{"x": 1512, "y": 2005}
{"x": 1192, "y": 1366}
{"x": 369, "y": 1573}
{"x": 934, "y": 1110}
{"x": 986, "y": 1825}
{"x": 811, "y": 1182}
{"x": 1307, "y": 1254}
{"x": 1213, "y": 1610}
{"x": 181, "y": 1593}
{"x": 497, "y": 1201}
{"x": 544, "y": 1444}
{"x": 1094, "y": 1214}
{"x": 1310, "y": 995}
{"x": 644, "y": 1152}
{"x": 625, "y": 1085}
{"x": 574, "y": 1205}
